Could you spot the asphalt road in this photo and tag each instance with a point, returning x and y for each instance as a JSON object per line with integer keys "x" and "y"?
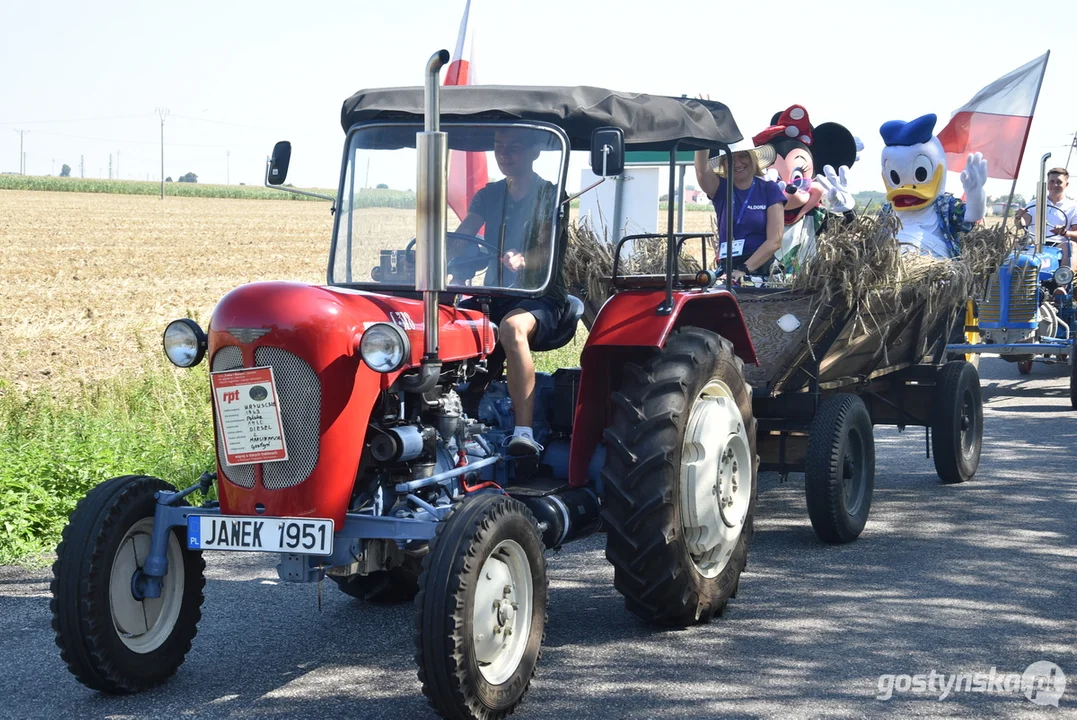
{"x": 951, "y": 579}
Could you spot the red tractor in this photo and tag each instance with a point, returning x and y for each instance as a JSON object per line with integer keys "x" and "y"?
{"x": 351, "y": 439}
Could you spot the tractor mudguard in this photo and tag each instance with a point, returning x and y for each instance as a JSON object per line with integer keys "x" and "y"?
{"x": 626, "y": 328}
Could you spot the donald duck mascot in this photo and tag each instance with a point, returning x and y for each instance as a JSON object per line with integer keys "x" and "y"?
{"x": 914, "y": 170}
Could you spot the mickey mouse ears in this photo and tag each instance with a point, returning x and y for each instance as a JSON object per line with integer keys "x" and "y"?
{"x": 829, "y": 143}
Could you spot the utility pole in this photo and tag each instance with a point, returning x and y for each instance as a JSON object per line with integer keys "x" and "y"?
{"x": 54, "y": 166}
{"x": 110, "y": 166}
{"x": 163, "y": 112}
{"x": 228, "y": 167}
{"x": 22, "y": 155}
{"x": 117, "y": 164}
{"x": 366, "y": 183}
{"x": 82, "y": 166}
{"x": 1073, "y": 144}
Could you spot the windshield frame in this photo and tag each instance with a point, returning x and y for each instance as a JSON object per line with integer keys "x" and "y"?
{"x": 471, "y": 290}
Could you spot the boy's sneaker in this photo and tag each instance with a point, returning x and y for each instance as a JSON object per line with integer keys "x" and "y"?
{"x": 523, "y": 446}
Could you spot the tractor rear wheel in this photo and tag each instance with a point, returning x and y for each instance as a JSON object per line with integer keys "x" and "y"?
{"x": 839, "y": 470}
{"x": 958, "y": 430}
{"x": 680, "y": 479}
{"x": 481, "y": 609}
{"x": 111, "y": 638}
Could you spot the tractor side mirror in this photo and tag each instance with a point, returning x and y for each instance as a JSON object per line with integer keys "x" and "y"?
{"x": 278, "y": 163}
{"x": 607, "y": 151}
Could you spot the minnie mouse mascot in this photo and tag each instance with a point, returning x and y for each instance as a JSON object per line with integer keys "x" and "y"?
{"x": 800, "y": 149}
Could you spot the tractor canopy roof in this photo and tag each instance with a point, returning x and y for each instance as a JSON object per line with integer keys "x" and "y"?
{"x": 650, "y": 122}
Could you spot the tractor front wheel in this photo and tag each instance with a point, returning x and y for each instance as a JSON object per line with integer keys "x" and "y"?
{"x": 481, "y": 609}
{"x": 839, "y": 470}
{"x": 113, "y": 638}
{"x": 958, "y": 430}
{"x": 680, "y": 479}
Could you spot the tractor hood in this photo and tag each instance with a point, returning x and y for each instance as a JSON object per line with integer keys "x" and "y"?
{"x": 309, "y": 336}
{"x": 324, "y": 324}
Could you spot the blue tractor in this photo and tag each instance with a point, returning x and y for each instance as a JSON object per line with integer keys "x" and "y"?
{"x": 1026, "y": 312}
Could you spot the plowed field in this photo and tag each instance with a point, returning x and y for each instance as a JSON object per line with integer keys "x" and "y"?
{"x": 89, "y": 281}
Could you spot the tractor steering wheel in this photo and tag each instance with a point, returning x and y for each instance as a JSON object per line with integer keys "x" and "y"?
{"x": 468, "y": 264}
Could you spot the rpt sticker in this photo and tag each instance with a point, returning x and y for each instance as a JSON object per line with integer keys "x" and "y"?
{"x": 248, "y": 413}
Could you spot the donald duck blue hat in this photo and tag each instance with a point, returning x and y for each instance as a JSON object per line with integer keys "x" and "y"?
{"x": 904, "y": 134}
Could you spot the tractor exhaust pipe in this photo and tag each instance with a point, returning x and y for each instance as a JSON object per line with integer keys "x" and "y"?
{"x": 431, "y": 213}
{"x": 1041, "y": 204}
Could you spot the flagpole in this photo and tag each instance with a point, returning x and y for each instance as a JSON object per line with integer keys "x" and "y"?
{"x": 1032, "y": 114}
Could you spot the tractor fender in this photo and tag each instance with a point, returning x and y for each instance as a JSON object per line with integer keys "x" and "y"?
{"x": 629, "y": 326}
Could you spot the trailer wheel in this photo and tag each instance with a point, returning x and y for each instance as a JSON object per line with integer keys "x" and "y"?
{"x": 395, "y": 585}
{"x": 481, "y": 609}
{"x": 1024, "y": 366}
{"x": 957, "y": 432}
{"x": 110, "y": 639}
{"x": 680, "y": 479}
{"x": 839, "y": 470}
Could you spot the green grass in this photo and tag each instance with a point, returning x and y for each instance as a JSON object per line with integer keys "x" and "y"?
{"x": 53, "y": 450}
{"x": 565, "y": 357}
{"x": 365, "y": 198}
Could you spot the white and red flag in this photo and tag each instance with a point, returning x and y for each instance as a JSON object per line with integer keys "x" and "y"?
{"x": 467, "y": 170}
{"x": 996, "y": 121}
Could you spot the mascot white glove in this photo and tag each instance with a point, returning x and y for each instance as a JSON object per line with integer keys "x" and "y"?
{"x": 838, "y": 198}
{"x": 973, "y": 178}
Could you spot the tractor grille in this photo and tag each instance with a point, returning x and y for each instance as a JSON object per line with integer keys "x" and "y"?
{"x": 1024, "y": 283}
{"x": 300, "y": 396}
{"x": 231, "y": 358}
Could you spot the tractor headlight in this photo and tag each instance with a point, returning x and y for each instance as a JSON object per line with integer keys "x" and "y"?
{"x": 1063, "y": 275}
{"x": 384, "y": 347}
{"x": 185, "y": 343}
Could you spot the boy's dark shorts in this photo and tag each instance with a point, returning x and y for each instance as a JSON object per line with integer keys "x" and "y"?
{"x": 547, "y": 311}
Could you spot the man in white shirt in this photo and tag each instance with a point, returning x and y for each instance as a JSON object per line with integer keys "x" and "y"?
{"x": 1061, "y": 210}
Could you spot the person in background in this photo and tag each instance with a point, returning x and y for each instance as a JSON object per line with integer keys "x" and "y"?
{"x": 758, "y": 219}
{"x": 1061, "y": 216}
{"x": 1061, "y": 211}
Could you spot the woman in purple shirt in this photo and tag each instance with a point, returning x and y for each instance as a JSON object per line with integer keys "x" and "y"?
{"x": 757, "y": 208}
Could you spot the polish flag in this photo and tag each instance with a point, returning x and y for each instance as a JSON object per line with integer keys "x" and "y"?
{"x": 467, "y": 170}
{"x": 996, "y": 121}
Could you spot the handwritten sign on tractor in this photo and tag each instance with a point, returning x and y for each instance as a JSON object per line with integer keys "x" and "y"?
{"x": 248, "y": 414}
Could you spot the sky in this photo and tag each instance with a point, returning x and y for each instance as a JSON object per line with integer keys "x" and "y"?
{"x": 85, "y": 81}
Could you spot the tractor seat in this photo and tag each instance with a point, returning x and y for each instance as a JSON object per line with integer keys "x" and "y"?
{"x": 566, "y": 328}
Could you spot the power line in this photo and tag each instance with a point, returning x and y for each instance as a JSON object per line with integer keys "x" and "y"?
{"x": 72, "y": 120}
{"x": 142, "y": 142}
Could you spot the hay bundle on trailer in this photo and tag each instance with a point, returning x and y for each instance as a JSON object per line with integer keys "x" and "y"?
{"x": 889, "y": 308}
{"x": 861, "y": 266}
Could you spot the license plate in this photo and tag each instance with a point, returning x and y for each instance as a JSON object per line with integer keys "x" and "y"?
{"x": 738, "y": 249}
{"x": 307, "y": 536}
